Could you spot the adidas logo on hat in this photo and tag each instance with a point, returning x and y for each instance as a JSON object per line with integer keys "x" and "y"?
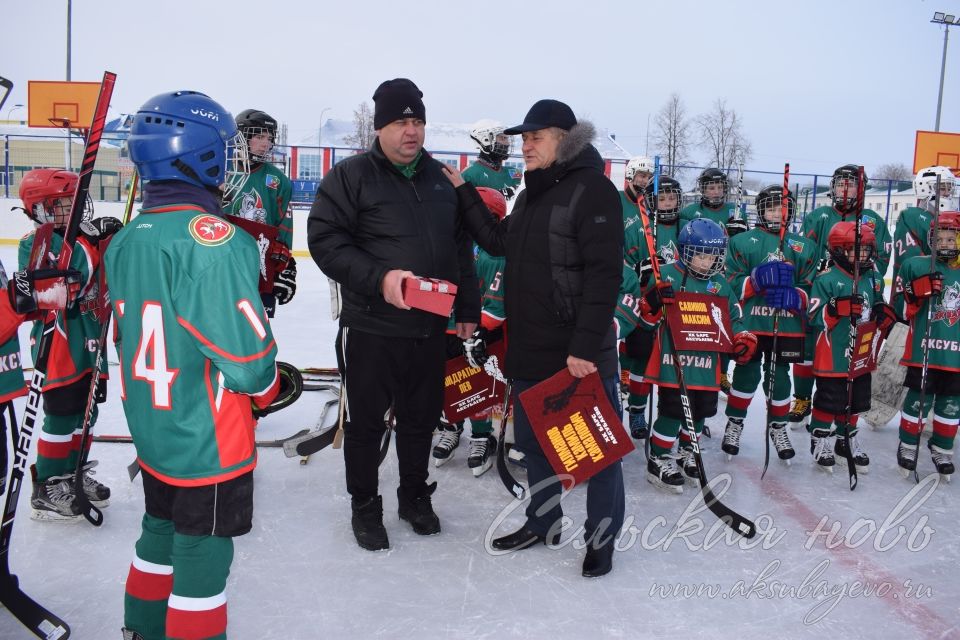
{"x": 408, "y": 111}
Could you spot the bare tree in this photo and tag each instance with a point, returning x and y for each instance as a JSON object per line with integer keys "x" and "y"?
{"x": 363, "y": 132}
{"x": 893, "y": 171}
{"x": 671, "y": 137}
{"x": 721, "y": 134}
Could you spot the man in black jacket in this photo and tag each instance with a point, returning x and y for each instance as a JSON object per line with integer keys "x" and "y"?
{"x": 564, "y": 248}
{"x": 380, "y": 217}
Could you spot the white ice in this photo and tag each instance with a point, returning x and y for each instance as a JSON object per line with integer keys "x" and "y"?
{"x": 300, "y": 575}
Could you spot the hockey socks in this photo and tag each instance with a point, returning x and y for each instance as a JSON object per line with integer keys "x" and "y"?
{"x": 59, "y": 444}
{"x": 946, "y": 418}
{"x": 150, "y": 580}
{"x": 665, "y": 432}
{"x": 746, "y": 379}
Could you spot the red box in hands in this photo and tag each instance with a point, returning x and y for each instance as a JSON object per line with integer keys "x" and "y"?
{"x": 429, "y": 294}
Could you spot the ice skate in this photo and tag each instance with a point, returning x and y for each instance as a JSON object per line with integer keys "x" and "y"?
{"x": 799, "y": 413}
{"x": 821, "y": 446}
{"x": 663, "y": 472}
{"x": 449, "y": 439}
{"x": 480, "y": 458}
{"x": 942, "y": 460}
{"x": 688, "y": 463}
{"x": 781, "y": 442}
{"x": 860, "y": 458}
{"x": 906, "y": 459}
{"x": 53, "y": 499}
{"x": 731, "y": 437}
{"x": 638, "y": 426}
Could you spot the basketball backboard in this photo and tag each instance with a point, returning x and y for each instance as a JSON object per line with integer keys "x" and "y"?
{"x": 937, "y": 149}
{"x": 58, "y": 104}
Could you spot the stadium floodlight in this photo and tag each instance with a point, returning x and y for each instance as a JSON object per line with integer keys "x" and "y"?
{"x": 937, "y": 16}
{"x": 948, "y": 19}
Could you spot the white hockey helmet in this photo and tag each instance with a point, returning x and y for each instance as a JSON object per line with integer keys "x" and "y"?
{"x": 925, "y": 185}
{"x": 638, "y": 164}
{"x": 489, "y": 136}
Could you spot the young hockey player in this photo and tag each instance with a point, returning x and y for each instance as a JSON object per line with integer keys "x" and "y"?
{"x": 12, "y": 384}
{"x": 637, "y": 176}
{"x": 698, "y": 269}
{"x": 940, "y": 288}
{"x": 664, "y": 212}
{"x": 769, "y": 279}
{"x": 713, "y": 187}
{"x": 488, "y": 170}
{"x": 911, "y": 233}
{"x": 196, "y": 354}
{"x": 833, "y": 305}
{"x": 47, "y": 196}
{"x": 817, "y": 225}
{"x": 262, "y": 208}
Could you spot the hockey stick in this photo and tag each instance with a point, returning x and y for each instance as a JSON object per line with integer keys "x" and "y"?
{"x": 90, "y": 511}
{"x": 656, "y": 212}
{"x": 852, "y": 343}
{"x": 925, "y": 367}
{"x": 772, "y": 364}
{"x": 312, "y": 441}
{"x": 514, "y": 487}
{"x": 739, "y": 202}
{"x": 728, "y": 516}
{"x": 39, "y": 622}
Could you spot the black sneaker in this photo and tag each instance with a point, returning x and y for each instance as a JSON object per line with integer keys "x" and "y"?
{"x": 418, "y": 511}
{"x": 367, "y": 524}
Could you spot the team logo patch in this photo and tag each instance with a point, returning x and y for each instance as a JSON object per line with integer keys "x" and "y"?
{"x": 713, "y": 286}
{"x": 870, "y": 222}
{"x": 210, "y": 230}
{"x": 795, "y": 245}
{"x": 273, "y": 182}
{"x": 949, "y": 309}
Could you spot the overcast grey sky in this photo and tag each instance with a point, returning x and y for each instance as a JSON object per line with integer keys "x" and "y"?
{"x": 818, "y": 83}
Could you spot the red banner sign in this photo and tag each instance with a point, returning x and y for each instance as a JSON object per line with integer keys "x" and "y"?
{"x": 468, "y": 390}
{"x": 866, "y": 349}
{"x": 576, "y": 426}
{"x": 699, "y": 322}
{"x": 265, "y": 236}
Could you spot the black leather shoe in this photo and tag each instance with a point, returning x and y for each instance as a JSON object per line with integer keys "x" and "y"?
{"x": 418, "y": 511}
{"x": 598, "y": 562}
{"x": 367, "y": 524}
{"x": 523, "y": 538}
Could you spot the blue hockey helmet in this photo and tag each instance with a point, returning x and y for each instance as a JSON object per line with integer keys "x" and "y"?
{"x": 702, "y": 237}
{"x": 187, "y": 136}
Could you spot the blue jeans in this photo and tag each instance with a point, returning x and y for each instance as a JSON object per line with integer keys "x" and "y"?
{"x": 605, "y": 495}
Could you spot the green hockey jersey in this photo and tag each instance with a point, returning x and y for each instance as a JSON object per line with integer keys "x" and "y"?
{"x": 751, "y": 249}
{"x": 626, "y": 315}
{"x": 265, "y": 198}
{"x": 193, "y": 340}
{"x": 697, "y": 210}
{"x": 818, "y": 223}
{"x": 944, "y": 342}
{"x": 490, "y": 276}
{"x": 480, "y": 174}
{"x": 911, "y": 237}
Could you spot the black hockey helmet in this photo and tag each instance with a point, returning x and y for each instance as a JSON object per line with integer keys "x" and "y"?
{"x": 844, "y": 187}
{"x": 772, "y": 196}
{"x": 708, "y": 177}
{"x": 253, "y": 122}
{"x": 667, "y": 185}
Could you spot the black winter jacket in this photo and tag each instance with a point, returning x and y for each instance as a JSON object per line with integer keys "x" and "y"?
{"x": 564, "y": 247}
{"x": 368, "y": 219}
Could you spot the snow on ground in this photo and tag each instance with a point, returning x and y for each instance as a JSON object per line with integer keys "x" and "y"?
{"x": 299, "y": 574}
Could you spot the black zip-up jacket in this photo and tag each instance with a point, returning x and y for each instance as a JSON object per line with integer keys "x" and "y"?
{"x": 564, "y": 247}
{"x": 368, "y": 218}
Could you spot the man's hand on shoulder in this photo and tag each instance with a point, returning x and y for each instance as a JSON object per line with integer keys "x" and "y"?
{"x": 391, "y": 287}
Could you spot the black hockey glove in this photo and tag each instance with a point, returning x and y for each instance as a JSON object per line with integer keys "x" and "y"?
{"x": 269, "y": 303}
{"x": 291, "y": 386}
{"x": 475, "y": 348}
{"x": 100, "y": 228}
{"x": 644, "y": 270}
{"x": 49, "y": 289}
{"x": 285, "y": 282}
{"x": 736, "y": 225}
{"x": 659, "y": 295}
{"x": 507, "y": 192}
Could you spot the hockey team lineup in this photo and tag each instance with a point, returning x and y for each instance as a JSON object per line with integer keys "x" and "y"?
{"x": 671, "y": 306}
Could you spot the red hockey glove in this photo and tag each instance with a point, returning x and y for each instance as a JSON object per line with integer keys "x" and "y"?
{"x": 846, "y": 306}
{"x": 48, "y": 289}
{"x": 659, "y": 295}
{"x": 885, "y": 317}
{"x": 744, "y": 346}
{"x": 280, "y": 254}
{"x": 927, "y": 285}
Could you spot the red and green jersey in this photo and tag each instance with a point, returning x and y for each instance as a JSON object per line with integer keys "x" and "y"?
{"x": 480, "y": 174}
{"x": 911, "y": 238}
{"x": 697, "y": 210}
{"x": 265, "y": 198}
{"x": 193, "y": 340}
{"x": 701, "y": 369}
{"x": 831, "y": 358}
{"x": 12, "y": 384}
{"x": 73, "y": 352}
{"x": 818, "y": 223}
{"x": 626, "y": 315}
{"x": 490, "y": 275}
{"x": 751, "y": 249}
{"x": 944, "y": 342}
{"x": 635, "y": 244}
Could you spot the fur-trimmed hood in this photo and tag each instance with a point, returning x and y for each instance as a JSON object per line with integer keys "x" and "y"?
{"x": 575, "y": 141}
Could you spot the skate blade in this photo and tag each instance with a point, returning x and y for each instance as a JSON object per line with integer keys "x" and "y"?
{"x": 730, "y": 456}
{"x": 841, "y": 461}
{"x": 946, "y": 477}
{"x": 482, "y": 469}
{"x": 669, "y": 488}
{"x": 439, "y": 462}
{"x": 826, "y": 469}
{"x": 304, "y": 460}
{"x": 42, "y": 515}
{"x": 787, "y": 461}
{"x": 905, "y": 473}
{"x": 692, "y": 482}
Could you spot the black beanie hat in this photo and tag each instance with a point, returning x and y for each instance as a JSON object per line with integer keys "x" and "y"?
{"x": 397, "y": 99}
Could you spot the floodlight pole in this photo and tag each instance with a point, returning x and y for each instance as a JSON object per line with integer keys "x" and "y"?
{"x": 69, "y": 13}
{"x": 943, "y": 68}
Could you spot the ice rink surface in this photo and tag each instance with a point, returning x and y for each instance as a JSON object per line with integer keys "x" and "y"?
{"x": 880, "y": 562}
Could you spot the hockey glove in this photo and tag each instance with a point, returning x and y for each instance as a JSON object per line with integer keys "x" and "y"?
{"x": 507, "y": 192}
{"x": 100, "y": 228}
{"x": 771, "y": 274}
{"x": 736, "y": 225}
{"x": 885, "y": 317}
{"x": 926, "y": 286}
{"x": 47, "y": 289}
{"x": 291, "y": 386}
{"x": 824, "y": 264}
{"x": 785, "y": 298}
{"x": 285, "y": 282}
{"x": 659, "y": 295}
{"x": 846, "y": 306}
{"x": 644, "y": 270}
{"x": 269, "y": 303}
{"x": 744, "y": 346}
{"x": 475, "y": 348}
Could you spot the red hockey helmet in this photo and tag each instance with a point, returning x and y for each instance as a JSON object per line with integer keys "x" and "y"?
{"x": 495, "y": 201}
{"x": 947, "y": 221}
{"x": 842, "y": 238}
{"x": 47, "y": 195}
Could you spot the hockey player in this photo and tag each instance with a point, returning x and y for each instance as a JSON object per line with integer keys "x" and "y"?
{"x": 264, "y": 199}
{"x": 817, "y": 225}
{"x": 713, "y": 187}
{"x": 196, "y": 354}
{"x": 833, "y": 304}
{"x": 47, "y": 196}
{"x": 940, "y": 288}
{"x": 698, "y": 269}
{"x": 637, "y": 176}
{"x": 12, "y": 384}
{"x": 664, "y": 209}
{"x": 767, "y": 280}
{"x": 911, "y": 233}
{"x": 488, "y": 170}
